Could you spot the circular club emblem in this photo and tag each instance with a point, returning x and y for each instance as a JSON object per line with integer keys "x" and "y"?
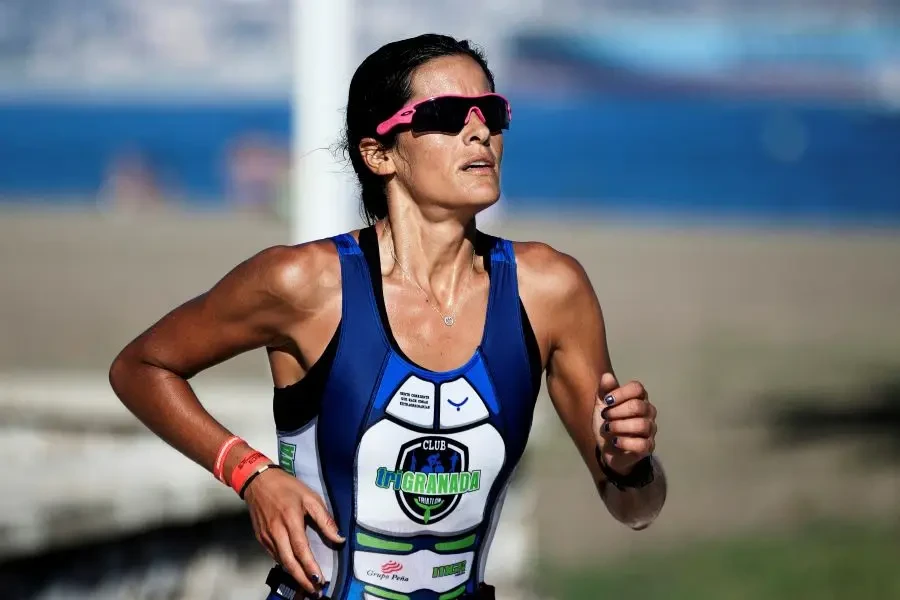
{"x": 433, "y": 473}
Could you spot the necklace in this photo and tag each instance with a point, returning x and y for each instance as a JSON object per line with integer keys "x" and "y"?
{"x": 448, "y": 319}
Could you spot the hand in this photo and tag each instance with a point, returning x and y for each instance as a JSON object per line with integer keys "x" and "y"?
{"x": 624, "y": 423}
{"x": 279, "y": 505}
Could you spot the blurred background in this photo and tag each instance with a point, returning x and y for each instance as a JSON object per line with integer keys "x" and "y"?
{"x": 728, "y": 171}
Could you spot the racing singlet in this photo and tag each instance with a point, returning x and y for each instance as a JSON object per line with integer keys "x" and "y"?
{"x": 413, "y": 464}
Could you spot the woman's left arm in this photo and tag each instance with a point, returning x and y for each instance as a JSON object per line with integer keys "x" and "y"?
{"x": 613, "y": 426}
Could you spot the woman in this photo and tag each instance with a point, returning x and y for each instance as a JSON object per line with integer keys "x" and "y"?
{"x": 406, "y": 357}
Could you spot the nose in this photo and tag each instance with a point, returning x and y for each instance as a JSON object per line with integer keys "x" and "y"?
{"x": 478, "y": 112}
{"x": 476, "y": 130}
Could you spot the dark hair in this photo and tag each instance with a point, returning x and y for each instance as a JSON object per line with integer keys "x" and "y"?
{"x": 381, "y": 85}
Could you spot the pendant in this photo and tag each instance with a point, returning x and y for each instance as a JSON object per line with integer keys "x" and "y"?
{"x": 449, "y": 320}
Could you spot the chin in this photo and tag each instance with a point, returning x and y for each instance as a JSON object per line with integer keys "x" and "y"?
{"x": 472, "y": 199}
{"x": 486, "y": 194}
{"x": 477, "y": 202}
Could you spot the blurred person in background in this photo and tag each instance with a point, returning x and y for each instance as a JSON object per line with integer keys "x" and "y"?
{"x": 256, "y": 168}
{"x": 131, "y": 185}
{"x": 406, "y": 356}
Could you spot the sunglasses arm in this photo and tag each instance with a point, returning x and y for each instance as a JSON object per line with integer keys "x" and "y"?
{"x": 403, "y": 117}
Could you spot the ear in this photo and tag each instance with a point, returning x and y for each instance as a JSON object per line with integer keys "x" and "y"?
{"x": 376, "y": 157}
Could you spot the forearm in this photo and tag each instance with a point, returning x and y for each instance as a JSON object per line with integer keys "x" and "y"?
{"x": 166, "y": 403}
{"x": 636, "y": 507}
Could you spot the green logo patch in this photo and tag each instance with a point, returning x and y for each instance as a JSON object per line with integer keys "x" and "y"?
{"x": 457, "y": 568}
{"x": 286, "y": 454}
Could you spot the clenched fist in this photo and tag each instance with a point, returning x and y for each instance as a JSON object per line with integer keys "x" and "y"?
{"x": 624, "y": 423}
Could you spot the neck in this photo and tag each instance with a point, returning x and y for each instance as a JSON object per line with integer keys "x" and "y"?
{"x": 437, "y": 255}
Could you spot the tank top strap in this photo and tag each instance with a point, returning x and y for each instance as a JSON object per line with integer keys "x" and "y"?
{"x": 503, "y": 317}
{"x": 346, "y": 245}
{"x": 502, "y": 252}
{"x": 359, "y": 312}
{"x": 504, "y": 346}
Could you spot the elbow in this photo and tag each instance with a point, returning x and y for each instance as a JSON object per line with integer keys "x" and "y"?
{"x": 120, "y": 371}
{"x": 129, "y": 365}
{"x": 134, "y": 368}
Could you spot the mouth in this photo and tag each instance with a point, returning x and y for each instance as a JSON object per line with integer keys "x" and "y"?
{"x": 479, "y": 166}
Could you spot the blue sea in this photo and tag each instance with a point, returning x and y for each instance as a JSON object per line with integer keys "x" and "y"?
{"x": 709, "y": 156}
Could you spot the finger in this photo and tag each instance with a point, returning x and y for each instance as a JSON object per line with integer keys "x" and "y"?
{"x": 628, "y": 410}
{"x": 303, "y": 553}
{"x": 629, "y": 391}
{"x": 288, "y": 560}
{"x": 324, "y": 522}
{"x": 638, "y": 445}
{"x": 638, "y": 427}
{"x": 608, "y": 383}
{"x": 597, "y": 415}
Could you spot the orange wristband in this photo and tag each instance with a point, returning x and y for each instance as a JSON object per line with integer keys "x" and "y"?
{"x": 219, "y": 465}
{"x": 247, "y": 467}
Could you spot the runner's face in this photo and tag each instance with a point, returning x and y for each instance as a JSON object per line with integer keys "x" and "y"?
{"x": 433, "y": 168}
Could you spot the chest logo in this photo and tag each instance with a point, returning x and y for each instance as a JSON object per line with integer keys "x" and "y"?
{"x": 430, "y": 478}
{"x": 457, "y": 405}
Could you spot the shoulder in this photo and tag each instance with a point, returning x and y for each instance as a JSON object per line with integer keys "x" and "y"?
{"x": 549, "y": 274}
{"x": 302, "y": 275}
{"x": 556, "y": 292}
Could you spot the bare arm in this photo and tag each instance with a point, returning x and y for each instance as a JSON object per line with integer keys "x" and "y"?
{"x": 243, "y": 311}
{"x": 255, "y": 305}
{"x": 580, "y": 376}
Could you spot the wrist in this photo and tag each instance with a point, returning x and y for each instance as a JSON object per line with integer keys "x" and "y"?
{"x": 634, "y": 474}
{"x": 225, "y": 448}
{"x": 249, "y": 467}
{"x": 623, "y": 467}
{"x": 248, "y": 485}
{"x": 234, "y": 458}
{"x": 237, "y": 464}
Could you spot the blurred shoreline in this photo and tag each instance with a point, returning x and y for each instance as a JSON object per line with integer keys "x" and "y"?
{"x": 654, "y": 153}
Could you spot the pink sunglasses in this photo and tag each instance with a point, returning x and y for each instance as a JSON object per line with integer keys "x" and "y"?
{"x": 450, "y": 113}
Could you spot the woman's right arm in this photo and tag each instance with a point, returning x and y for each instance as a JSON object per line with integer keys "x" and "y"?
{"x": 255, "y": 305}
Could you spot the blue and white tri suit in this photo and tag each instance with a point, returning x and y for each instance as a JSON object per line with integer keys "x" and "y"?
{"x": 413, "y": 464}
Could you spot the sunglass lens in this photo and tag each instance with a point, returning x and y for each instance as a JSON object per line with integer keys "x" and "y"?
{"x": 448, "y": 114}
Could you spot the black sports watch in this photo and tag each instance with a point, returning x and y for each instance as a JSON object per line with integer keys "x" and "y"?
{"x": 641, "y": 474}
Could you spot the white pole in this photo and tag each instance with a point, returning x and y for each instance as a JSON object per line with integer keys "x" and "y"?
{"x": 322, "y": 202}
